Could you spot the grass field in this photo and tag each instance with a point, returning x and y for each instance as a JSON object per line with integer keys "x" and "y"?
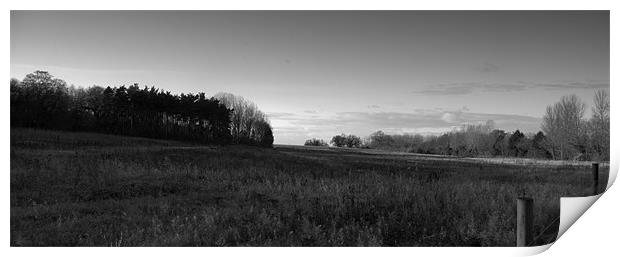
{"x": 81, "y": 189}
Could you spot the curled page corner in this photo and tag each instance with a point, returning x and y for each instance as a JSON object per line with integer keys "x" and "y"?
{"x": 571, "y": 208}
{"x": 613, "y": 172}
{"x": 532, "y": 250}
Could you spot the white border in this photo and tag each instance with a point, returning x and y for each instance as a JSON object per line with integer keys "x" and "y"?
{"x": 594, "y": 233}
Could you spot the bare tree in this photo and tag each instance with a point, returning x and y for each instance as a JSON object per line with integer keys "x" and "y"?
{"x": 599, "y": 124}
{"x": 236, "y": 104}
{"x": 564, "y": 126}
{"x": 248, "y": 124}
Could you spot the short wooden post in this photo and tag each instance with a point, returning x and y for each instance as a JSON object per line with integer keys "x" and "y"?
{"x": 525, "y": 220}
{"x": 595, "y": 177}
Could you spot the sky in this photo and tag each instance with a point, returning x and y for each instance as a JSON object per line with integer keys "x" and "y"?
{"x": 322, "y": 73}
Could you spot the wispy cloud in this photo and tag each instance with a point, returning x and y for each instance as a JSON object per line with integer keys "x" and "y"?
{"x": 573, "y": 85}
{"x": 466, "y": 88}
{"x": 280, "y": 115}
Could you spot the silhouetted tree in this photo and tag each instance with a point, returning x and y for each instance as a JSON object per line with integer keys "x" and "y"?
{"x": 42, "y": 101}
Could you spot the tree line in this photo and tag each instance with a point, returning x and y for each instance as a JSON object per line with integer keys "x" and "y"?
{"x": 566, "y": 135}
{"x": 467, "y": 141}
{"x": 341, "y": 140}
{"x": 42, "y": 101}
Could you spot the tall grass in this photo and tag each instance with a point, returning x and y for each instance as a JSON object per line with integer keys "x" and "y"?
{"x": 87, "y": 189}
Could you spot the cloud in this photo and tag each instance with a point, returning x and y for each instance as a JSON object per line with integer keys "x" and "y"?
{"x": 469, "y": 88}
{"x": 441, "y": 90}
{"x": 449, "y": 117}
{"x": 280, "y": 115}
{"x": 465, "y": 88}
{"x": 573, "y": 85}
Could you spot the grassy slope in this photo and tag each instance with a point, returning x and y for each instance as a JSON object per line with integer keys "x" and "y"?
{"x": 92, "y": 189}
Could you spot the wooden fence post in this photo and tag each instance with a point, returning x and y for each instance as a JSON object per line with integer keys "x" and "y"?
{"x": 525, "y": 220}
{"x": 595, "y": 177}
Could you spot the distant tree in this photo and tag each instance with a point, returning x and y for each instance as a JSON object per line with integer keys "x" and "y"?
{"x": 339, "y": 140}
{"x": 518, "y": 144}
{"x": 458, "y": 144}
{"x": 476, "y": 138}
{"x": 416, "y": 143}
{"x": 343, "y": 140}
{"x": 540, "y": 146}
{"x": 498, "y": 137}
{"x": 380, "y": 140}
{"x": 315, "y": 142}
{"x": 443, "y": 145}
{"x": 353, "y": 141}
{"x": 430, "y": 145}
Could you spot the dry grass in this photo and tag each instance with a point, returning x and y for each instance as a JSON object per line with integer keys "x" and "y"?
{"x": 89, "y": 189}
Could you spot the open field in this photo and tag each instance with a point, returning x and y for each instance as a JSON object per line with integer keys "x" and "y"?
{"x": 83, "y": 189}
{"x": 446, "y": 158}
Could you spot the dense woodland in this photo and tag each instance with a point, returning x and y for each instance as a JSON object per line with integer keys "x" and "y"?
{"x": 42, "y": 101}
{"x": 566, "y": 135}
